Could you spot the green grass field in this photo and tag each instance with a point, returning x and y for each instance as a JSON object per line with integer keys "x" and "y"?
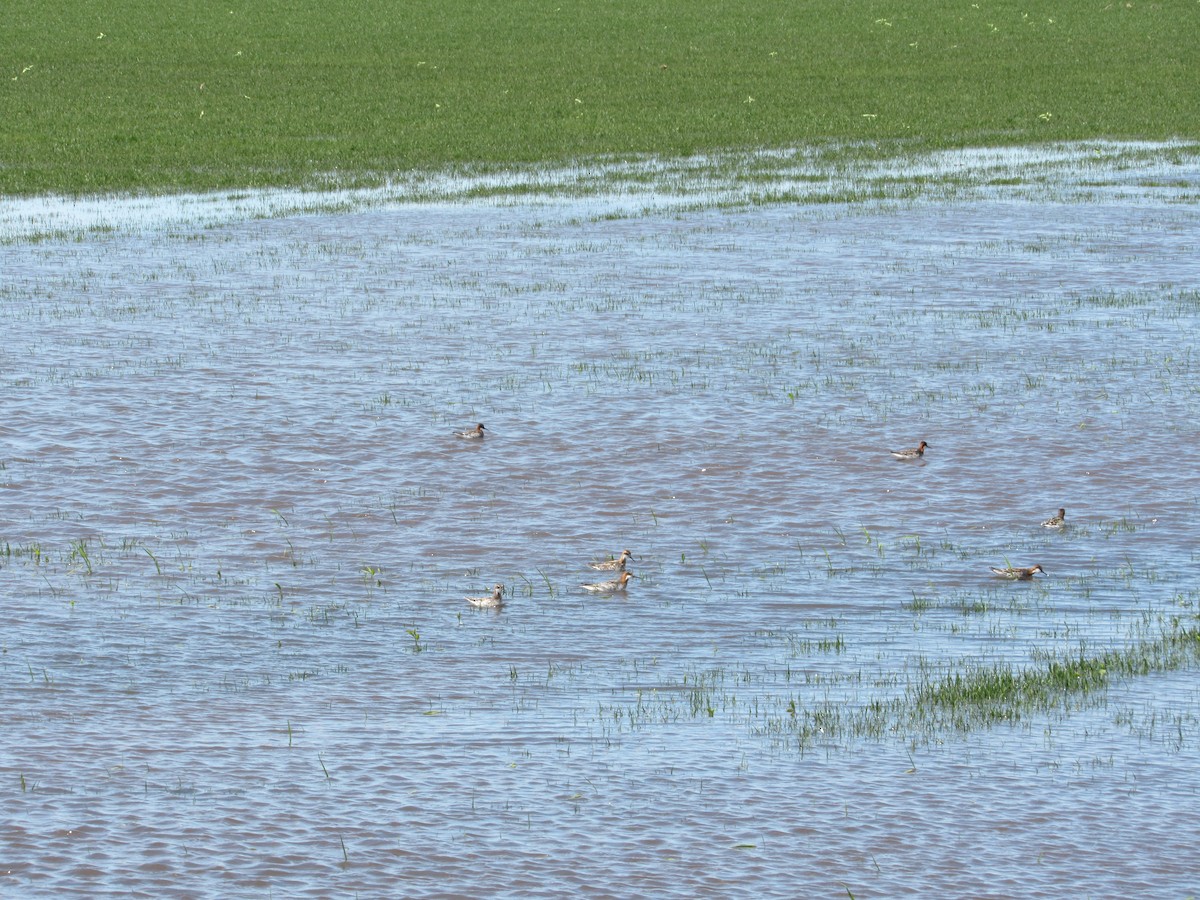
{"x": 176, "y": 95}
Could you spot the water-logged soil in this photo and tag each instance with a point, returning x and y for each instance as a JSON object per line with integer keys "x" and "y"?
{"x": 236, "y": 531}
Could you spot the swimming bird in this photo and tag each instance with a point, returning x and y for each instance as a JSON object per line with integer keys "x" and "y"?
{"x": 612, "y": 565}
{"x": 496, "y": 599}
{"x": 1016, "y": 573}
{"x": 609, "y": 587}
{"x": 1056, "y": 521}
{"x": 912, "y": 453}
{"x": 474, "y": 434}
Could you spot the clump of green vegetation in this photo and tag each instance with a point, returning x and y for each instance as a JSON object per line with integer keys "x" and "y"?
{"x": 962, "y": 697}
{"x": 988, "y": 694}
{"x": 174, "y": 96}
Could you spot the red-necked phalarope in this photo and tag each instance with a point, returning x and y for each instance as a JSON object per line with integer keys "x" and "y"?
{"x": 609, "y": 587}
{"x": 473, "y": 434}
{"x": 1014, "y": 573}
{"x": 1056, "y": 521}
{"x": 913, "y": 453}
{"x": 612, "y": 565}
{"x": 496, "y": 598}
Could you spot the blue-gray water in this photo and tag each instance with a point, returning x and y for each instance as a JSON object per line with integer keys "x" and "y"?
{"x": 237, "y": 531}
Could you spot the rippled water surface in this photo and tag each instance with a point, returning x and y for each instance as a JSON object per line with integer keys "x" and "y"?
{"x": 237, "y": 531}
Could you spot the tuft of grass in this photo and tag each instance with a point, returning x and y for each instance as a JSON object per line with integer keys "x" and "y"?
{"x": 79, "y": 552}
{"x": 417, "y": 646}
{"x": 1002, "y": 693}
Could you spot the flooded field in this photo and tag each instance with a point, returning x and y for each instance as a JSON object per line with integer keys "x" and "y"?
{"x": 237, "y": 530}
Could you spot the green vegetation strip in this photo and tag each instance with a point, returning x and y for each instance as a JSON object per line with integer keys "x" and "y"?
{"x": 105, "y": 96}
{"x": 990, "y": 694}
{"x": 1001, "y": 692}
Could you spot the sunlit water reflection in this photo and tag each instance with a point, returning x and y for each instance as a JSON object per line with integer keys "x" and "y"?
{"x": 237, "y": 531}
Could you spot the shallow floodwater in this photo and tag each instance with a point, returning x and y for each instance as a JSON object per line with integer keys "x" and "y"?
{"x": 237, "y": 531}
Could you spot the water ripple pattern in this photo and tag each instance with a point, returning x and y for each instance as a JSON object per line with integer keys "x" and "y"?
{"x": 237, "y": 530}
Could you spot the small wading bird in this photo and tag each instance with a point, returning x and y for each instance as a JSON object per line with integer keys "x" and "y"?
{"x": 1056, "y": 521}
{"x": 496, "y": 599}
{"x": 1016, "y": 573}
{"x": 609, "y": 587}
{"x": 612, "y": 565}
{"x": 474, "y": 434}
{"x": 911, "y": 453}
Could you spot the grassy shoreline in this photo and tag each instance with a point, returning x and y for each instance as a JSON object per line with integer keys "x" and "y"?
{"x": 179, "y": 98}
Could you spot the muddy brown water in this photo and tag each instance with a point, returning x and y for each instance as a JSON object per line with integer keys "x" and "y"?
{"x": 237, "y": 532}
